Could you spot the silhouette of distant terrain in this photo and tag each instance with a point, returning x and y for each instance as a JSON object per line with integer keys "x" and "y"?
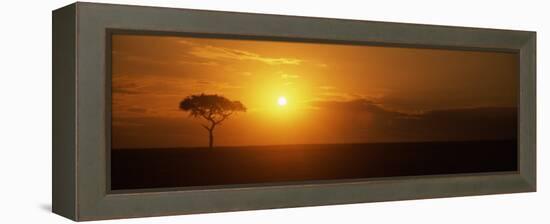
{"x": 183, "y": 167}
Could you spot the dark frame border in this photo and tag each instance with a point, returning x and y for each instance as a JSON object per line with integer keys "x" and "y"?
{"x": 80, "y": 185}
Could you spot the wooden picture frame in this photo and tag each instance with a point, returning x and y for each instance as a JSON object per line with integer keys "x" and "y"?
{"x": 81, "y": 94}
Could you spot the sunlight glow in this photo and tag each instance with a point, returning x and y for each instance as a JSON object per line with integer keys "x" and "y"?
{"x": 281, "y": 101}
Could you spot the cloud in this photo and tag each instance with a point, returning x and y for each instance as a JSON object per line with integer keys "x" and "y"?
{"x": 137, "y": 110}
{"x": 204, "y": 63}
{"x": 359, "y": 106}
{"x": 322, "y": 65}
{"x": 187, "y": 42}
{"x": 208, "y": 86}
{"x": 371, "y": 121}
{"x": 213, "y": 52}
{"x": 327, "y": 87}
{"x": 329, "y": 95}
{"x": 127, "y": 87}
{"x": 138, "y": 59}
{"x": 202, "y": 82}
{"x": 288, "y": 76}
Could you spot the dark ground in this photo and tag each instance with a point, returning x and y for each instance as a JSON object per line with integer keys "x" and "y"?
{"x": 182, "y": 167}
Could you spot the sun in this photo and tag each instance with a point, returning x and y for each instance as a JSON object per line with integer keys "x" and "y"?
{"x": 281, "y": 101}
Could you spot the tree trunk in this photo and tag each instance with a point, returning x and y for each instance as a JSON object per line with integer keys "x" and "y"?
{"x": 211, "y": 138}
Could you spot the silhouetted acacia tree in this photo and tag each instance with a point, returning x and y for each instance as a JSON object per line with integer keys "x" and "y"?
{"x": 214, "y": 108}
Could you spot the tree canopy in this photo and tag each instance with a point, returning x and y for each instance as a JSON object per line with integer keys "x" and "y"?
{"x": 213, "y": 108}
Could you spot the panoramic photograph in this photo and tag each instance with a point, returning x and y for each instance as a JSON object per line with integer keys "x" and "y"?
{"x": 197, "y": 111}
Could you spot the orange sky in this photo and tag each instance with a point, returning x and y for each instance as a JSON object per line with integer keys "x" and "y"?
{"x": 335, "y": 93}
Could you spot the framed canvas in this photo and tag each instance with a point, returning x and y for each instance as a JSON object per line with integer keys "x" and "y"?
{"x": 160, "y": 111}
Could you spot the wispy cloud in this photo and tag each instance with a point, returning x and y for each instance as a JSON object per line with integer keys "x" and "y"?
{"x": 327, "y": 87}
{"x": 322, "y": 65}
{"x": 204, "y": 63}
{"x": 288, "y": 76}
{"x": 213, "y": 52}
{"x": 215, "y": 86}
